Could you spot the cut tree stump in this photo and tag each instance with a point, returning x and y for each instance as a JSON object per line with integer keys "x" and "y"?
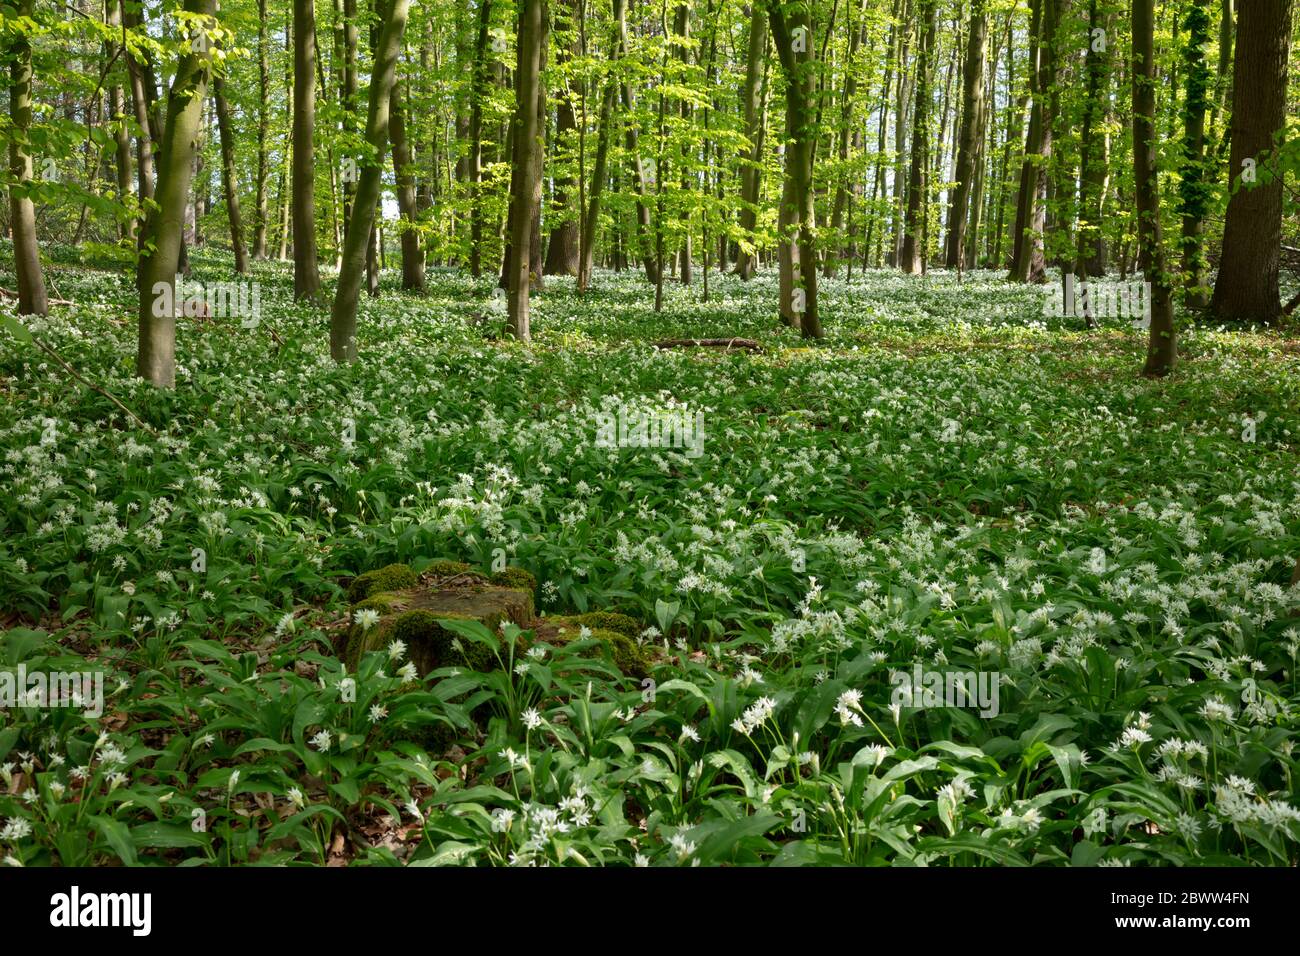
{"x": 726, "y": 344}
{"x": 410, "y": 613}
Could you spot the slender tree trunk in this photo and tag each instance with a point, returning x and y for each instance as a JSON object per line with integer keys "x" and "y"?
{"x": 969, "y": 154}
{"x": 751, "y": 170}
{"x": 598, "y": 173}
{"x": 527, "y": 85}
{"x": 1162, "y": 348}
{"x": 478, "y": 92}
{"x": 229, "y": 180}
{"x": 918, "y": 180}
{"x": 1090, "y": 259}
{"x": 1247, "y": 283}
{"x": 356, "y": 240}
{"x": 562, "y": 251}
{"x": 793, "y": 36}
{"x": 412, "y": 244}
{"x": 1195, "y": 186}
{"x": 260, "y": 211}
{"x": 1029, "y": 263}
{"x": 306, "y": 273}
{"x": 630, "y": 137}
{"x": 140, "y": 104}
{"x": 161, "y": 235}
{"x": 32, "y": 299}
{"x": 856, "y": 30}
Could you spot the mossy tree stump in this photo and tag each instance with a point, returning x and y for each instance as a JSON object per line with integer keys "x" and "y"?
{"x": 395, "y": 604}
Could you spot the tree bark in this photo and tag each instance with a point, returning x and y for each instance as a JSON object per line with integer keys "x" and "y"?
{"x": 751, "y": 170}
{"x": 32, "y": 298}
{"x": 412, "y": 243}
{"x": 969, "y": 151}
{"x": 913, "y": 253}
{"x": 263, "y": 131}
{"x": 161, "y": 235}
{"x": 1246, "y": 288}
{"x": 229, "y": 181}
{"x": 1162, "y": 349}
{"x": 527, "y": 85}
{"x": 306, "y": 272}
{"x": 343, "y": 315}
{"x": 792, "y": 33}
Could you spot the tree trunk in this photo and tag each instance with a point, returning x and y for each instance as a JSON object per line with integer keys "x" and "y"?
{"x": 1195, "y": 187}
{"x": 751, "y": 171}
{"x": 639, "y": 180}
{"x": 161, "y": 235}
{"x": 1162, "y": 349}
{"x": 306, "y": 273}
{"x": 856, "y": 31}
{"x": 263, "y": 131}
{"x": 969, "y": 153}
{"x": 586, "y": 256}
{"x": 527, "y": 85}
{"x": 1029, "y": 262}
{"x": 1247, "y": 285}
{"x": 229, "y": 181}
{"x": 1090, "y": 259}
{"x": 32, "y": 299}
{"x": 412, "y": 243}
{"x": 356, "y": 240}
{"x": 913, "y": 253}
{"x": 794, "y": 43}
{"x": 562, "y": 252}
{"x": 478, "y": 91}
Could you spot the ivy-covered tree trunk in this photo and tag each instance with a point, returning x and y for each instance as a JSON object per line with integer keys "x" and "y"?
{"x": 32, "y": 299}
{"x": 1247, "y": 284}
{"x": 161, "y": 234}
{"x": 356, "y": 240}
{"x": 306, "y": 272}
{"x": 1162, "y": 346}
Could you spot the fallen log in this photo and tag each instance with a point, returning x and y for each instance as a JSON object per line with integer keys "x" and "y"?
{"x": 747, "y": 344}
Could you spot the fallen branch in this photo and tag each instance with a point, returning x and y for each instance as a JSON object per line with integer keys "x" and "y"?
{"x": 89, "y": 384}
{"x": 13, "y": 295}
{"x": 728, "y": 344}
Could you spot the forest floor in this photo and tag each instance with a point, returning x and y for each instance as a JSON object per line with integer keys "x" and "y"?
{"x": 949, "y": 482}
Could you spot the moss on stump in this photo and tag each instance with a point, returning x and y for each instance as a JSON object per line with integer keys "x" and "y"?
{"x": 411, "y": 615}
